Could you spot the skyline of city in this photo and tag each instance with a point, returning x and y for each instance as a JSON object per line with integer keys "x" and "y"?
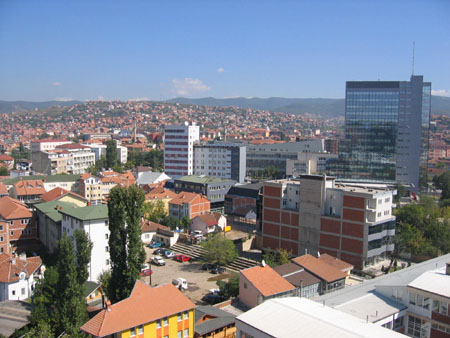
{"x": 159, "y": 51}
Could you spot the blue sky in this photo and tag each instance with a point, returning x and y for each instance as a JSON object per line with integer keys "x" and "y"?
{"x": 221, "y": 48}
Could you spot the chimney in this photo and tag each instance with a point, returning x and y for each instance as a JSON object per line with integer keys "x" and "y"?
{"x": 108, "y": 306}
{"x": 447, "y": 269}
{"x": 23, "y": 256}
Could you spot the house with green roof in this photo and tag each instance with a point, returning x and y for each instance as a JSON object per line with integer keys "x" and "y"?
{"x": 48, "y": 218}
{"x": 95, "y": 222}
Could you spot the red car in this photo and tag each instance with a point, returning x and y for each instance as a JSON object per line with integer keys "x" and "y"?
{"x": 146, "y": 272}
{"x": 182, "y": 258}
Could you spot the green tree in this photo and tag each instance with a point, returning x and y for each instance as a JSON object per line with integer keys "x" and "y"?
{"x": 111, "y": 153}
{"x": 44, "y": 298}
{"x": 3, "y": 171}
{"x": 231, "y": 288}
{"x": 125, "y": 208}
{"x": 443, "y": 182}
{"x": 84, "y": 249}
{"x": 219, "y": 250}
{"x": 41, "y": 330}
{"x": 70, "y": 303}
{"x": 155, "y": 211}
{"x": 103, "y": 280}
{"x": 276, "y": 257}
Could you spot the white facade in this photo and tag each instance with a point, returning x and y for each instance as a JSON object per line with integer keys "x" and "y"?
{"x": 308, "y": 163}
{"x": 98, "y": 233}
{"x": 82, "y": 160}
{"x": 20, "y": 290}
{"x": 179, "y": 149}
{"x": 100, "y": 151}
{"x": 224, "y": 160}
{"x": 45, "y": 145}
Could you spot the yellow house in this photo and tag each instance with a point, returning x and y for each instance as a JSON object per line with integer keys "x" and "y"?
{"x": 63, "y": 195}
{"x": 160, "y": 194}
{"x": 149, "y": 312}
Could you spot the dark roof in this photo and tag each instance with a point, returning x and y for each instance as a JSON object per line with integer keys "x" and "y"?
{"x": 88, "y": 287}
{"x": 222, "y": 319}
{"x": 246, "y": 190}
{"x": 296, "y": 275}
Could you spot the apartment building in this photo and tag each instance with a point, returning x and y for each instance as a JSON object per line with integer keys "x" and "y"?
{"x": 100, "y": 151}
{"x": 163, "y": 312}
{"x": 94, "y": 221}
{"x": 220, "y": 159}
{"x": 179, "y": 149}
{"x": 82, "y": 157}
{"x": 261, "y": 156}
{"x": 91, "y": 188}
{"x": 308, "y": 163}
{"x": 314, "y": 214}
{"x": 28, "y": 191}
{"x": 16, "y": 223}
{"x": 188, "y": 204}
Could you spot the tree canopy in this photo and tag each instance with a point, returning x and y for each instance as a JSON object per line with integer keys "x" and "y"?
{"x": 219, "y": 250}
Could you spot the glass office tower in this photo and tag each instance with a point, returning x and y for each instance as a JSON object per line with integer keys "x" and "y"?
{"x": 386, "y": 132}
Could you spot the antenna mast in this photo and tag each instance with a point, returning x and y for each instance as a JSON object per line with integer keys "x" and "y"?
{"x": 413, "y": 55}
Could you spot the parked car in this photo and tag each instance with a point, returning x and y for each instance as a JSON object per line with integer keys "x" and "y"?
{"x": 218, "y": 269}
{"x": 208, "y": 266}
{"x": 154, "y": 245}
{"x": 159, "y": 251}
{"x": 213, "y": 298}
{"x": 169, "y": 254}
{"x": 146, "y": 272}
{"x": 182, "y": 258}
{"x": 196, "y": 233}
{"x": 157, "y": 260}
{"x": 180, "y": 283}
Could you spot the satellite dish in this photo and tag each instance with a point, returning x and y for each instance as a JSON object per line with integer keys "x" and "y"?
{"x": 263, "y": 263}
{"x": 22, "y": 275}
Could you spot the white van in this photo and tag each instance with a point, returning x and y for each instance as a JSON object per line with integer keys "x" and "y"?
{"x": 180, "y": 283}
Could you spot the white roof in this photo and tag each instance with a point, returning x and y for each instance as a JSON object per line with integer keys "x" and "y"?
{"x": 372, "y": 307}
{"x": 287, "y": 317}
{"x": 436, "y": 282}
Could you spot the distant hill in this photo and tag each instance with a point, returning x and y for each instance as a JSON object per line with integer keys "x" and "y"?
{"x": 323, "y": 107}
{"x": 20, "y": 106}
{"x": 328, "y": 108}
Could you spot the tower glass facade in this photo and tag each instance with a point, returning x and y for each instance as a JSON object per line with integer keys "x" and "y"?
{"x": 386, "y": 132}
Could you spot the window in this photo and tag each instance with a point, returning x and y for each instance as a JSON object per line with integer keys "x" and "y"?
{"x": 398, "y": 323}
{"x": 13, "y": 292}
{"x": 245, "y": 285}
{"x": 12, "y": 233}
{"x": 165, "y": 321}
{"x": 179, "y": 317}
{"x": 106, "y": 249}
{"x": 180, "y": 334}
{"x": 414, "y": 326}
{"x": 106, "y": 236}
{"x": 107, "y": 262}
{"x": 186, "y": 315}
{"x": 133, "y": 332}
{"x": 23, "y": 291}
{"x": 186, "y": 332}
{"x": 140, "y": 329}
{"x": 1, "y": 227}
{"x": 1, "y": 238}
{"x": 158, "y": 324}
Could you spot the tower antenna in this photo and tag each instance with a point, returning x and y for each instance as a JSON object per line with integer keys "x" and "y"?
{"x": 413, "y": 55}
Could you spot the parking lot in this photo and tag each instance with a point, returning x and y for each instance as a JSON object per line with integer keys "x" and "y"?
{"x": 199, "y": 281}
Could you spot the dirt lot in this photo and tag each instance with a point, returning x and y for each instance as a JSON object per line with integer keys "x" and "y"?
{"x": 199, "y": 281}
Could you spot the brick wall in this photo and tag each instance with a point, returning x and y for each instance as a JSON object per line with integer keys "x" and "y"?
{"x": 354, "y": 202}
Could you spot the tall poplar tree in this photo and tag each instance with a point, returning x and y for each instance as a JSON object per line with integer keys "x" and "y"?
{"x": 84, "y": 249}
{"x": 125, "y": 208}
{"x": 111, "y": 153}
{"x": 70, "y": 304}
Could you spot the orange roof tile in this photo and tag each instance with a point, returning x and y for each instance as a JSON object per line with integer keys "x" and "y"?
{"x": 337, "y": 263}
{"x": 11, "y": 208}
{"x": 149, "y": 226}
{"x": 319, "y": 268}
{"x": 58, "y": 192}
{"x": 160, "y": 193}
{"x": 11, "y": 267}
{"x": 145, "y": 304}
{"x": 29, "y": 187}
{"x": 4, "y": 157}
{"x": 267, "y": 280}
{"x": 187, "y": 197}
{"x": 3, "y": 189}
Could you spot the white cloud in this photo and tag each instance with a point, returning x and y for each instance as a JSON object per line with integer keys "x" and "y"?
{"x": 140, "y": 99}
{"x": 189, "y": 86}
{"x": 440, "y": 92}
{"x": 220, "y": 70}
{"x": 56, "y": 84}
{"x": 64, "y": 99}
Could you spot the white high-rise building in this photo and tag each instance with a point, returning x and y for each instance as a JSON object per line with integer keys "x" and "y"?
{"x": 179, "y": 149}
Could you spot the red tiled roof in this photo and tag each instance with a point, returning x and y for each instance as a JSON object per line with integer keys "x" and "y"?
{"x": 4, "y": 157}
{"x": 187, "y": 197}
{"x": 337, "y": 263}
{"x": 145, "y": 304}
{"x": 45, "y": 140}
{"x": 266, "y": 280}
{"x": 208, "y": 219}
{"x": 58, "y": 192}
{"x": 72, "y": 146}
{"x": 3, "y": 189}
{"x": 11, "y": 208}
{"x": 149, "y": 226}
{"x": 11, "y": 267}
{"x": 29, "y": 187}
{"x": 319, "y": 268}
